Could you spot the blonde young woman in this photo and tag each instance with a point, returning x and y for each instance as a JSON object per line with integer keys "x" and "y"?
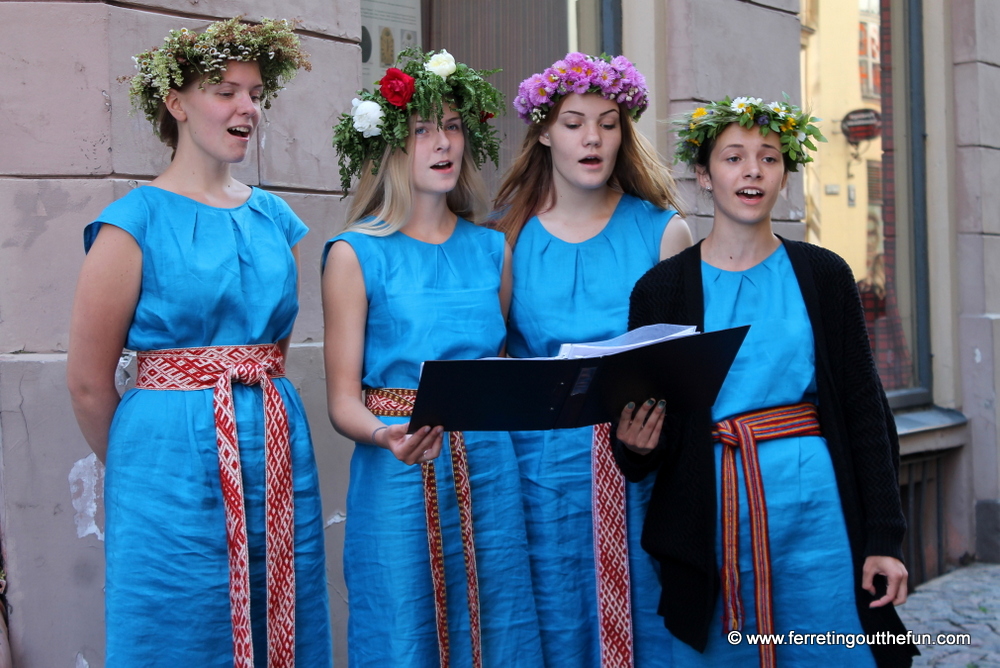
{"x": 435, "y": 554}
{"x": 778, "y": 509}
{"x": 588, "y": 208}
{"x": 210, "y": 561}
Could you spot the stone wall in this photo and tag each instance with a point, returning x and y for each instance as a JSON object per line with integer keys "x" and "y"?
{"x": 70, "y": 148}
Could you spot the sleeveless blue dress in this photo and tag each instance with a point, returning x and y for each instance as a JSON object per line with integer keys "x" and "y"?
{"x": 428, "y": 302}
{"x": 568, "y": 293}
{"x": 210, "y": 276}
{"x": 812, "y": 572}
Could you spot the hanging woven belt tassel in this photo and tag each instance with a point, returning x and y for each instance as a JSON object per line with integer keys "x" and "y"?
{"x": 614, "y": 603}
{"x": 742, "y": 433}
{"x": 399, "y": 403}
{"x": 217, "y": 367}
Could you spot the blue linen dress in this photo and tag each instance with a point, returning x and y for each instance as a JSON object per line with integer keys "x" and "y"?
{"x": 429, "y": 302}
{"x": 569, "y": 293}
{"x": 812, "y": 571}
{"x": 210, "y": 276}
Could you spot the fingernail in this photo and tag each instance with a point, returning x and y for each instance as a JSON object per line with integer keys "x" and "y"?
{"x": 649, "y": 402}
{"x": 662, "y": 404}
{"x": 631, "y": 405}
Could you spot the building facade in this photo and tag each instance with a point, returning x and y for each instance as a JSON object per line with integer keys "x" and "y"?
{"x": 71, "y": 147}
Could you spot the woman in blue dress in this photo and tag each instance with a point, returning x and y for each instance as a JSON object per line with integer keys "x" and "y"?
{"x": 435, "y": 555}
{"x": 588, "y": 208}
{"x": 778, "y": 510}
{"x": 210, "y": 561}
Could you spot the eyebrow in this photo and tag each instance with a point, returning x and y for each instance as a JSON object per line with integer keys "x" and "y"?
{"x": 445, "y": 119}
{"x": 765, "y": 145}
{"x": 580, "y": 113}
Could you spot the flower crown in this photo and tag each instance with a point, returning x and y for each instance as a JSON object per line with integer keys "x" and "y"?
{"x": 612, "y": 78}
{"x": 704, "y": 123}
{"x": 419, "y": 85}
{"x": 271, "y": 44}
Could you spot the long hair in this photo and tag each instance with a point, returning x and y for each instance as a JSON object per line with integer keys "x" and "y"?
{"x": 527, "y": 189}
{"x": 383, "y": 204}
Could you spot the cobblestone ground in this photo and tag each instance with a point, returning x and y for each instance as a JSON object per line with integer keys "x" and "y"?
{"x": 967, "y": 600}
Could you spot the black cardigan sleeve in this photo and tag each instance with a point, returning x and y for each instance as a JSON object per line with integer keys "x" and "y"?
{"x": 870, "y": 426}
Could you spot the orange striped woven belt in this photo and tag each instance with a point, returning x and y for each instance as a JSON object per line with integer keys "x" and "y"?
{"x": 217, "y": 367}
{"x": 614, "y": 604}
{"x": 743, "y": 432}
{"x": 399, "y": 403}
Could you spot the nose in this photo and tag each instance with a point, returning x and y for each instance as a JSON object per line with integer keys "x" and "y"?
{"x": 247, "y": 105}
{"x": 753, "y": 169}
{"x": 592, "y": 135}
{"x": 442, "y": 142}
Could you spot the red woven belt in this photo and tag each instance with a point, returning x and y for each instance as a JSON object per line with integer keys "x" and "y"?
{"x": 217, "y": 367}
{"x": 399, "y": 403}
{"x": 614, "y": 604}
{"x": 743, "y": 432}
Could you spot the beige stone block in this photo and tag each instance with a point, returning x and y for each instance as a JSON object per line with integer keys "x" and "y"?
{"x": 977, "y": 95}
{"x": 296, "y": 139}
{"x": 971, "y": 273}
{"x": 324, "y": 214}
{"x": 710, "y": 40}
{"x": 55, "y": 93}
{"x": 991, "y": 272}
{"x": 135, "y": 148}
{"x": 980, "y": 340}
{"x": 977, "y": 200}
{"x": 41, "y": 250}
{"x": 331, "y": 18}
{"x": 975, "y": 24}
{"x": 53, "y": 536}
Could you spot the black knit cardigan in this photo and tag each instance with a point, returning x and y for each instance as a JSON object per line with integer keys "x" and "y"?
{"x": 679, "y": 528}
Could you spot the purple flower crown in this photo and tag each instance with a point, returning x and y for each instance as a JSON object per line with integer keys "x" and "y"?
{"x": 612, "y": 78}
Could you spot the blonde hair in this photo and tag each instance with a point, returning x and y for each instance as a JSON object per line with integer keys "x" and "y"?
{"x": 382, "y": 202}
{"x": 527, "y": 187}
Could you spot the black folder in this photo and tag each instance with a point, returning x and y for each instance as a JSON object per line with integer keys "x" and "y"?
{"x": 555, "y": 393}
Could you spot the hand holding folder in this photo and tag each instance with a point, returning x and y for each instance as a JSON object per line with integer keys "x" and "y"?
{"x": 669, "y": 362}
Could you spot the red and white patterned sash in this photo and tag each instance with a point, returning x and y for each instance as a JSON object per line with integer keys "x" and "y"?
{"x": 399, "y": 403}
{"x": 614, "y": 601}
{"x": 742, "y": 433}
{"x": 217, "y": 367}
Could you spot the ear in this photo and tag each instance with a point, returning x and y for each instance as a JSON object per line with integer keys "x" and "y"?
{"x": 175, "y": 106}
{"x": 704, "y": 178}
{"x": 544, "y": 138}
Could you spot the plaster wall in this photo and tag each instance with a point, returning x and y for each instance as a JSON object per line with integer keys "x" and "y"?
{"x": 71, "y": 146}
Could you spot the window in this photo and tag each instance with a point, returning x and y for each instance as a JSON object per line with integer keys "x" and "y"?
{"x": 864, "y": 192}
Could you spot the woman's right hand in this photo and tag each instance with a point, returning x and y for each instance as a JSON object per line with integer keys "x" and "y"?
{"x": 639, "y": 428}
{"x": 421, "y": 446}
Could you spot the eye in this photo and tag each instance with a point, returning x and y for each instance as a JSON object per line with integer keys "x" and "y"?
{"x": 452, "y": 127}
{"x": 733, "y": 158}
{"x": 420, "y": 130}
{"x": 226, "y": 93}
{"x": 770, "y": 159}
{"x": 609, "y": 126}
{"x": 256, "y": 97}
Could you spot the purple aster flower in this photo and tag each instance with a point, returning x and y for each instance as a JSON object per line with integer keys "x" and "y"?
{"x": 762, "y": 120}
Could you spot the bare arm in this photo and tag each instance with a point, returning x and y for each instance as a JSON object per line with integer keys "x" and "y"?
{"x": 676, "y": 237}
{"x": 106, "y": 295}
{"x": 345, "y": 314}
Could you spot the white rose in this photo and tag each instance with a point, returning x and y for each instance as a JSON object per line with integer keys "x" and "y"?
{"x": 441, "y": 64}
{"x": 367, "y": 115}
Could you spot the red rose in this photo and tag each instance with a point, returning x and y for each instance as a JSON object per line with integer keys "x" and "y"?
{"x": 396, "y": 86}
{"x": 485, "y": 116}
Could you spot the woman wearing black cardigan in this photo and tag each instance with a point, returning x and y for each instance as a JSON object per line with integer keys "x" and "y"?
{"x": 778, "y": 510}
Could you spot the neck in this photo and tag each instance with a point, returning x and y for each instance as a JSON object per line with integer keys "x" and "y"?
{"x": 577, "y": 214}
{"x": 202, "y": 178}
{"x": 737, "y": 247}
{"x": 430, "y": 218}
